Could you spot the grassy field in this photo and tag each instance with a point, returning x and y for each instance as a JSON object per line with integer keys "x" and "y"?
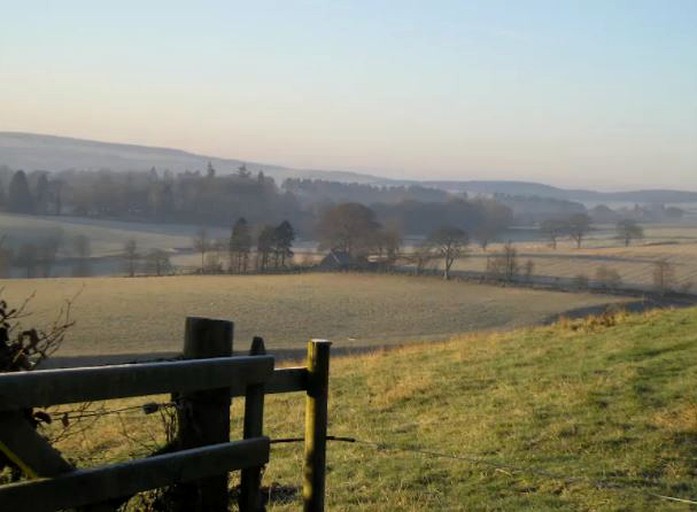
{"x": 106, "y": 237}
{"x": 635, "y": 264}
{"x": 144, "y": 315}
{"x": 595, "y": 415}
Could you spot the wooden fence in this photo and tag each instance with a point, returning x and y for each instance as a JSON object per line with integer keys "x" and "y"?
{"x": 197, "y": 464}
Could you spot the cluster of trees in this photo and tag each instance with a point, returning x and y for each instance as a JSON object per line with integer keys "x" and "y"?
{"x": 153, "y": 262}
{"x": 33, "y": 194}
{"x": 205, "y": 198}
{"x": 310, "y": 191}
{"x": 504, "y": 266}
{"x": 274, "y": 246}
{"x": 192, "y": 197}
{"x": 447, "y": 228}
{"x": 307, "y": 207}
{"x": 39, "y": 257}
{"x": 628, "y": 230}
{"x": 447, "y": 244}
{"x": 263, "y": 249}
{"x": 353, "y": 229}
{"x": 577, "y": 226}
{"x": 663, "y": 277}
{"x": 483, "y": 218}
{"x": 530, "y": 210}
{"x": 639, "y": 213}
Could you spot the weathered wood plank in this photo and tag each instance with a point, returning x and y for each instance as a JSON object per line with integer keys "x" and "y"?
{"x": 204, "y": 416}
{"x": 250, "y": 478}
{"x": 20, "y": 442}
{"x": 83, "y": 487}
{"x": 314, "y": 470}
{"x": 51, "y": 387}
{"x": 283, "y": 380}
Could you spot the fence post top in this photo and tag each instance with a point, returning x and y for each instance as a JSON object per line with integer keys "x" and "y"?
{"x": 320, "y": 341}
{"x": 197, "y": 319}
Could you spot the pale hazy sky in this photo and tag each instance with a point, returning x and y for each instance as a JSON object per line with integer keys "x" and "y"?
{"x": 588, "y": 93}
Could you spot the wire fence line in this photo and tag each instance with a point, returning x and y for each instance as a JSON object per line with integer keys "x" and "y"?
{"x": 614, "y": 484}
{"x": 66, "y": 417}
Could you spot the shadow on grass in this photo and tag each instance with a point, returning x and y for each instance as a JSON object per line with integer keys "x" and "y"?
{"x": 636, "y": 306}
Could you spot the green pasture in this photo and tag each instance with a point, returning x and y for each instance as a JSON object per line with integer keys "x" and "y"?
{"x": 586, "y": 415}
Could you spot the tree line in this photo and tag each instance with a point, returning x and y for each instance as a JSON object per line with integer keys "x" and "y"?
{"x": 209, "y": 198}
{"x": 206, "y": 198}
{"x": 578, "y": 226}
{"x": 278, "y": 215}
{"x": 38, "y": 258}
{"x": 269, "y": 249}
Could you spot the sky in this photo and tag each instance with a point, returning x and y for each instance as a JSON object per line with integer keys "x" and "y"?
{"x": 597, "y": 94}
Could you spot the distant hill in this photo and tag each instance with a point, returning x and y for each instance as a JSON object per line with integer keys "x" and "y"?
{"x": 52, "y": 153}
{"x": 514, "y": 188}
{"x": 527, "y": 188}
{"x": 47, "y": 152}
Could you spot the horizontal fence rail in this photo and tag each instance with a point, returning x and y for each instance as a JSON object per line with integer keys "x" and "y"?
{"x": 283, "y": 380}
{"x": 192, "y": 469}
{"x": 53, "y": 387}
{"x": 85, "y": 486}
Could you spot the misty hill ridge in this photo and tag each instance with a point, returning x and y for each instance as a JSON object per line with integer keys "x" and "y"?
{"x": 529, "y": 188}
{"x": 30, "y": 151}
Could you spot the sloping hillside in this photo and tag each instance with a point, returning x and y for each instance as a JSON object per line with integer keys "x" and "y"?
{"x": 30, "y": 151}
{"x": 589, "y": 415}
{"x": 528, "y": 189}
{"x": 593, "y": 415}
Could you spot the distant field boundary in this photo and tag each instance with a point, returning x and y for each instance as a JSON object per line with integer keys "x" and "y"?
{"x": 669, "y": 298}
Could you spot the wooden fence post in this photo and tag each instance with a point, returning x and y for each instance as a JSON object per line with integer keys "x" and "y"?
{"x": 204, "y": 416}
{"x": 250, "y": 479}
{"x": 314, "y": 471}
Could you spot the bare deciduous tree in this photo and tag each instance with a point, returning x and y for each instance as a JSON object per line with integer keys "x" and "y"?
{"x": 157, "y": 262}
{"x": 628, "y": 230}
{"x": 449, "y": 243}
{"x": 266, "y": 242}
{"x": 351, "y": 228}
{"x": 421, "y": 256}
{"x": 239, "y": 247}
{"x": 494, "y": 220}
{"x": 553, "y": 229}
{"x": 578, "y": 226}
{"x": 504, "y": 264}
{"x": 130, "y": 256}
{"x": 202, "y": 245}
